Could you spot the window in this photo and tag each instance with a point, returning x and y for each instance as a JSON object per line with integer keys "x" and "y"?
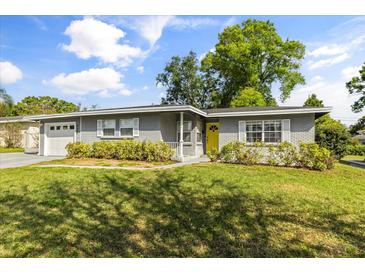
{"x": 254, "y": 131}
{"x": 108, "y": 127}
{"x": 272, "y": 131}
{"x": 126, "y": 127}
{"x": 58, "y": 127}
{"x": 65, "y": 127}
{"x": 72, "y": 126}
{"x": 187, "y": 130}
{"x": 198, "y": 137}
{"x": 51, "y": 128}
{"x": 263, "y": 131}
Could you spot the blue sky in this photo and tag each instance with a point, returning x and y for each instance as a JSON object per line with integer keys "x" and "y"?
{"x": 112, "y": 61}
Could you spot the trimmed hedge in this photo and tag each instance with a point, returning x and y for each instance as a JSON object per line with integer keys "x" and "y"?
{"x": 309, "y": 156}
{"x": 121, "y": 150}
{"x": 356, "y": 150}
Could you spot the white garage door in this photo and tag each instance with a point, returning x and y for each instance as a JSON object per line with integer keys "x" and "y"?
{"x": 58, "y": 136}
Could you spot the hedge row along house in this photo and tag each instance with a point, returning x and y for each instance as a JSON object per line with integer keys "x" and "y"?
{"x": 191, "y": 132}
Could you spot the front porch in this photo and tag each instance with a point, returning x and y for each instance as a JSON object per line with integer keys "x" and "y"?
{"x": 189, "y": 143}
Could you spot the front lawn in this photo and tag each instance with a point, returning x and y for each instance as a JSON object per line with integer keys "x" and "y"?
{"x": 354, "y": 157}
{"x": 105, "y": 162}
{"x": 9, "y": 150}
{"x": 205, "y": 210}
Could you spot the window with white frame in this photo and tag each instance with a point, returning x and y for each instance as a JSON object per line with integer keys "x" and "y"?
{"x": 126, "y": 127}
{"x": 199, "y": 138}
{"x": 108, "y": 127}
{"x": 264, "y": 131}
{"x": 187, "y": 131}
{"x": 272, "y": 131}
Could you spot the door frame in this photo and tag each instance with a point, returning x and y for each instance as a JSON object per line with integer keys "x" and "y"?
{"x": 45, "y": 137}
{"x": 206, "y": 134}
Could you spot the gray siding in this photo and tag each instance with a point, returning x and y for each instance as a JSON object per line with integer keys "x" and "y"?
{"x": 149, "y": 127}
{"x": 301, "y": 127}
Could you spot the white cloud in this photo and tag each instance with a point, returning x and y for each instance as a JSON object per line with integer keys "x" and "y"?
{"x": 99, "y": 80}
{"x": 328, "y": 50}
{"x": 192, "y": 23}
{"x": 328, "y": 62}
{"x": 350, "y": 72}
{"x": 93, "y": 38}
{"x": 151, "y": 27}
{"x": 40, "y": 24}
{"x": 140, "y": 69}
{"x": 145, "y": 87}
{"x": 333, "y": 94}
{"x": 9, "y": 73}
{"x": 317, "y": 78}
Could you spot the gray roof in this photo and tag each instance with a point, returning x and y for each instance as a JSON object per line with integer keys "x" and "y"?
{"x": 244, "y": 109}
{"x": 14, "y": 119}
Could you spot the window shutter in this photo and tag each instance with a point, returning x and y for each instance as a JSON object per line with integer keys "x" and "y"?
{"x": 242, "y": 131}
{"x": 99, "y": 128}
{"x": 135, "y": 127}
{"x": 285, "y": 130}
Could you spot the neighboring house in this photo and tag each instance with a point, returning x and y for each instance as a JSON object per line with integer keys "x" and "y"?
{"x": 190, "y": 131}
{"x": 360, "y": 137}
{"x": 29, "y": 131}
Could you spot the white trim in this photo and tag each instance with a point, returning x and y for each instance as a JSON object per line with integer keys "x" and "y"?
{"x": 271, "y": 112}
{"x": 244, "y": 140}
{"x": 120, "y": 111}
{"x": 80, "y": 129}
{"x": 120, "y": 127}
{"x": 45, "y": 138}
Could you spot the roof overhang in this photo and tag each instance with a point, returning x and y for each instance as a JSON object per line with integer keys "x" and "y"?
{"x": 119, "y": 111}
{"x": 20, "y": 120}
{"x": 317, "y": 111}
{"x": 322, "y": 110}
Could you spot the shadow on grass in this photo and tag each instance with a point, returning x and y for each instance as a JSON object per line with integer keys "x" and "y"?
{"x": 167, "y": 215}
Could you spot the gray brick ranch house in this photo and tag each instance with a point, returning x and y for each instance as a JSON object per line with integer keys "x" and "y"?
{"x": 190, "y": 131}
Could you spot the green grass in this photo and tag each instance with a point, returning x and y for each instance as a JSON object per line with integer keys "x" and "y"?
{"x": 8, "y": 150}
{"x": 354, "y": 157}
{"x": 205, "y": 210}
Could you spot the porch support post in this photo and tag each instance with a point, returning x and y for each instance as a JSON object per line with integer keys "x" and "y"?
{"x": 181, "y": 141}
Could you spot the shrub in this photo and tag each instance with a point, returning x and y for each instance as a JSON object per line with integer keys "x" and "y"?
{"x": 333, "y": 135}
{"x": 213, "y": 155}
{"x": 163, "y": 152}
{"x": 356, "y": 150}
{"x": 104, "y": 150}
{"x": 236, "y": 152}
{"x": 78, "y": 150}
{"x": 12, "y": 135}
{"x": 128, "y": 150}
{"x": 315, "y": 157}
{"x": 286, "y": 154}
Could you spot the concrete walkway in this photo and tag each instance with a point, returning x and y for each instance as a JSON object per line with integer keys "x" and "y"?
{"x": 355, "y": 163}
{"x": 18, "y": 159}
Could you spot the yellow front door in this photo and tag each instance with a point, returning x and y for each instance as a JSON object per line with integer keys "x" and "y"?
{"x": 212, "y": 136}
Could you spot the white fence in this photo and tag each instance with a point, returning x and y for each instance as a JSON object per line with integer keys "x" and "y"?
{"x": 175, "y": 148}
{"x": 31, "y": 142}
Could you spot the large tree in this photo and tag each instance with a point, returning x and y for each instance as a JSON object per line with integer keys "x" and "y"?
{"x": 357, "y": 86}
{"x": 248, "y": 97}
{"x": 32, "y": 105}
{"x": 360, "y": 125}
{"x": 6, "y": 103}
{"x": 254, "y": 55}
{"x": 313, "y": 101}
{"x": 329, "y": 133}
{"x": 184, "y": 82}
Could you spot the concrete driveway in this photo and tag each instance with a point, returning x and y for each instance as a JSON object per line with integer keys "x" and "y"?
{"x": 20, "y": 159}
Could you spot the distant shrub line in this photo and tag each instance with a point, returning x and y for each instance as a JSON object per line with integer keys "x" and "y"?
{"x": 309, "y": 156}
{"x": 121, "y": 150}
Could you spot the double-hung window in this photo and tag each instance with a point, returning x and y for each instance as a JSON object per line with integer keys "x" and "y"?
{"x": 126, "y": 127}
{"x": 267, "y": 131}
{"x": 109, "y": 127}
{"x": 187, "y": 131}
